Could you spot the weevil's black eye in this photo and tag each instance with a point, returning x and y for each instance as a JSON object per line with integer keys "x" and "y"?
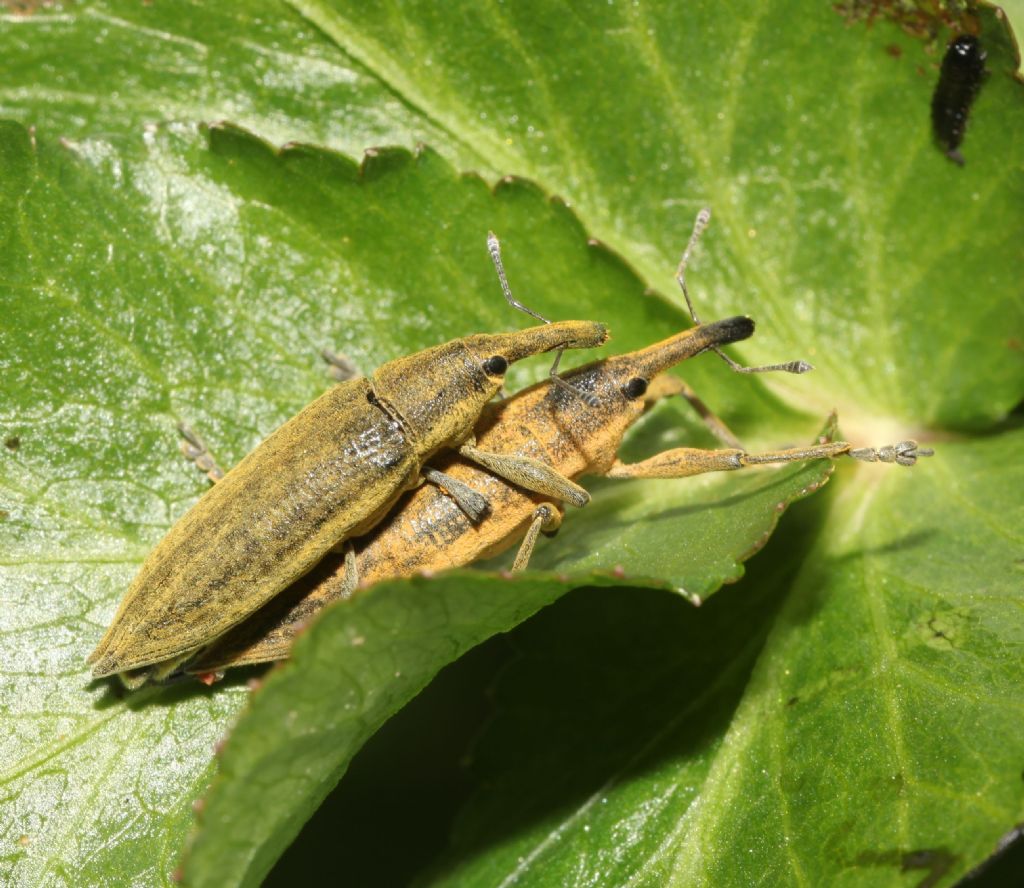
{"x": 635, "y": 388}
{"x": 495, "y": 366}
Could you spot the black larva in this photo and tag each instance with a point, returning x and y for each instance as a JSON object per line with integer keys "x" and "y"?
{"x": 963, "y": 70}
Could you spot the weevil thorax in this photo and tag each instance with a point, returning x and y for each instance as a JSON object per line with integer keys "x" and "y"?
{"x": 438, "y": 394}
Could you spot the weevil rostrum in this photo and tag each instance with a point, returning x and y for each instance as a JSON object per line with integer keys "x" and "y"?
{"x": 329, "y": 473}
{"x": 428, "y": 532}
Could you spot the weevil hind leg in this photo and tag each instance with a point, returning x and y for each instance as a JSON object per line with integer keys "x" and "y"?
{"x": 340, "y": 366}
{"x": 475, "y": 505}
{"x": 546, "y": 518}
{"x": 193, "y": 448}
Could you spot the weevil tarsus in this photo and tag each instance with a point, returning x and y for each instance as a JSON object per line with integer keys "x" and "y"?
{"x": 700, "y": 223}
{"x": 547, "y": 518}
{"x": 194, "y": 449}
{"x": 494, "y": 248}
{"x": 906, "y": 453}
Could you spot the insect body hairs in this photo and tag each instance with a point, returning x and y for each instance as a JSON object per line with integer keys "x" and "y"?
{"x": 963, "y": 70}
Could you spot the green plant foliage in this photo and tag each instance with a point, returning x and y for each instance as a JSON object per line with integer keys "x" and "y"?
{"x": 850, "y": 718}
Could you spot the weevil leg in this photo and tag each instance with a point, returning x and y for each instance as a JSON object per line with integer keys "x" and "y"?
{"x": 474, "y": 504}
{"x": 350, "y": 582}
{"x": 194, "y": 450}
{"x": 547, "y": 518}
{"x": 341, "y": 367}
{"x": 685, "y": 461}
{"x": 134, "y": 679}
{"x": 700, "y": 223}
{"x": 666, "y": 386}
{"x": 528, "y": 473}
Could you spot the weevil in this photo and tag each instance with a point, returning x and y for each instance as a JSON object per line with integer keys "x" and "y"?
{"x": 427, "y": 532}
{"x": 329, "y": 473}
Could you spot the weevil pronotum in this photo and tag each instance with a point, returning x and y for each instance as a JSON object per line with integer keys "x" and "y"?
{"x": 329, "y": 473}
{"x": 427, "y": 532}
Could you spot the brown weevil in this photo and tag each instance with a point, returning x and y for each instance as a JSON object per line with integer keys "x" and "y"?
{"x": 328, "y": 474}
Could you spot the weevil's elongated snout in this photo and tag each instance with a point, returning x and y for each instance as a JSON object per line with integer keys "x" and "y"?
{"x": 659, "y": 357}
{"x": 535, "y": 340}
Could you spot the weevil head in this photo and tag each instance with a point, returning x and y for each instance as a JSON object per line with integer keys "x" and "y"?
{"x": 439, "y": 393}
{"x": 620, "y": 384}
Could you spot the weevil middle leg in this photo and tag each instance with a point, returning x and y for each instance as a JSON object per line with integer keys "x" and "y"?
{"x": 194, "y": 449}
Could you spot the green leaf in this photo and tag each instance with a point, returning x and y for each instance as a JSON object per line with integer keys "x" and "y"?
{"x": 809, "y": 139}
{"x": 194, "y": 276}
{"x": 638, "y": 742}
{"x": 151, "y": 274}
{"x": 373, "y": 656}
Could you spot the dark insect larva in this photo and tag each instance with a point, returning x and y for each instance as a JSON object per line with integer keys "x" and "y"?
{"x": 963, "y": 70}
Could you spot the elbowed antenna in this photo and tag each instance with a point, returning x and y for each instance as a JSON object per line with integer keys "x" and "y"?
{"x": 699, "y": 224}
{"x": 494, "y": 248}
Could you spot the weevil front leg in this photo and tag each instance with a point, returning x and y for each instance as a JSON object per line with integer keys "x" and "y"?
{"x": 682, "y": 462}
{"x": 341, "y": 367}
{"x": 530, "y": 474}
{"x": 194, "y": 449}
{"x": 547, "y": 518}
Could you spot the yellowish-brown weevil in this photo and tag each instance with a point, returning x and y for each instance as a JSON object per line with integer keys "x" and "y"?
{"x": 329, "y": 473}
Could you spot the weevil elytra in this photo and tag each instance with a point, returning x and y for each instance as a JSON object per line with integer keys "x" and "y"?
{"x": 428, "y": 532}
{"x": 329, "y": 473}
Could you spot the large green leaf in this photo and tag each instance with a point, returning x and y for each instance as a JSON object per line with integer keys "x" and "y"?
{"x": 151, "y": 274}
{"x": 871, "y": 736}
{"x": 809, "y": 138}
{"x": 192, "y": 276}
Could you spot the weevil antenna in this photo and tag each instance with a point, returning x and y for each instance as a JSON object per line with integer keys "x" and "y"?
{"x": 700, "y": 223}
{"x": 494, "y": 248}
